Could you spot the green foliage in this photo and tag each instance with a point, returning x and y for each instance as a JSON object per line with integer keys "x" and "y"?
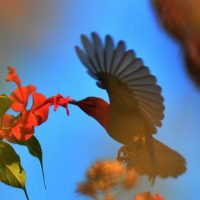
{"x": 5, "y": 103}
{"x": 35, "y": 150}
{"x": 11, "y": 171}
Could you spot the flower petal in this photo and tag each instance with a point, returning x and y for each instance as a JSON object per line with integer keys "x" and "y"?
{"x": 8, "y": 136}
{"x": 6, "y": 124}
{"x": 6, "y": 120}
{"x": 39, "y": 110}
{"x": 22, "y": 131}
{"x": 59, "y": 100}
{"x": 20, "y": 97}
{"x": 12, "y": 76}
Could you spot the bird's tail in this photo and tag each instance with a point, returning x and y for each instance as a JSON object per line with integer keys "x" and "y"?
{"x": 149, "y": 146}
{"x": 157, "y": 159}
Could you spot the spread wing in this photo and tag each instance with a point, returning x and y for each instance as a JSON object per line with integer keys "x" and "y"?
{"x": 128, "y": 82}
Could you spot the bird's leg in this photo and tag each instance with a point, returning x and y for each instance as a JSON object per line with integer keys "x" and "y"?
{"x": 124, "y": 153}
{"x": 128, "y": 151}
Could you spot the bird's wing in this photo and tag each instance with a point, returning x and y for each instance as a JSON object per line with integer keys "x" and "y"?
{"x": 128, "y": 82}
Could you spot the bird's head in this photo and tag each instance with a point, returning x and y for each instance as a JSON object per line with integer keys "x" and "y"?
{"x": 96, "y": 108}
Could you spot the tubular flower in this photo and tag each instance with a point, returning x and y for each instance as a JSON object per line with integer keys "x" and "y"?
{"x": 22, "y": 130}
{"x": 59, "y": 100}
{"x": 39, "y": 110}
{"x": 38, "y": 114}
{"x": 12, "y": 76}
{"x": 21, "y": 127}
{"x": 21, "y": 94}
{"x": 20, "y": 97}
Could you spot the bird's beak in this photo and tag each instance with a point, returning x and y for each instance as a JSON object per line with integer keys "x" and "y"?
{"x": 74, "y": 102}
{"x": 78, "y": 103}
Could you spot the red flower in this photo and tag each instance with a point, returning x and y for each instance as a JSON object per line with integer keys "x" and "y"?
{"x": 20, "y": 97}
{"x": 59, "y": 100}
{"x": 5, "y": 130}
{"x": 22, "y": 126}
{"x": 21, "y": 94}
{"x": 39, "y": 110}
{"x": 22, "y": 130}
{"x": 12, "y": 76}
{"x": 16, "y": 128}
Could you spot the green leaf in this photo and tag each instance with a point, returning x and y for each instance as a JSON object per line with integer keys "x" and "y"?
{"x": 11, "y": 171}
{"x": 35, "y": 150}
{"x": 5, "y": 103}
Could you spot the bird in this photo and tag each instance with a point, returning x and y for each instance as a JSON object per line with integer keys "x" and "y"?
{"x": 135, "y": 108}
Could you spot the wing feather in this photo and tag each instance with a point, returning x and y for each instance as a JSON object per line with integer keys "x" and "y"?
{"x": 134, "y": 66}
{"x": 98, "y": 51}
{"x": 90, "y": 52}
{"x": 118, "y": 56}
{"x": 128, "y": 82}
{"x": 85, "y": 60}
{"x": 109, "y": 52}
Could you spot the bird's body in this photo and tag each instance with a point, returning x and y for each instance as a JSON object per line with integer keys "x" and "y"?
{"x": 115, "y": 121}
{"x": 130, "y": 124}
{"x": 136, "y": 105}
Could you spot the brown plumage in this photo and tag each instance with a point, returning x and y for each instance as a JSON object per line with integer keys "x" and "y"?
{"x": 181, "y": 19}
{"x": 136, "y": 106}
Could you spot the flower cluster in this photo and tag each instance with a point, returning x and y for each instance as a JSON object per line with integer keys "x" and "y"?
{"x": 147, "y": 196}
{"x": 21, "y": 127}
{"x": 105, "y": 176}
{"x": 107, "y": 180}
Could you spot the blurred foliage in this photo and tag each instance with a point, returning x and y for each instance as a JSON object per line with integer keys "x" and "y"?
{"x": 147, "y": 196}
{"x": 107, "y": 179}
{"x": 181, "y": 19}
{"x": 111, "y": 180}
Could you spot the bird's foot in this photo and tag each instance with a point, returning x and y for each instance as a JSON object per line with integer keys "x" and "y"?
{"x": 124, "y": 153}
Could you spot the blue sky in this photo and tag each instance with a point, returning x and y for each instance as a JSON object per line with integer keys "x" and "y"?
{"x": 41, "y": 46}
